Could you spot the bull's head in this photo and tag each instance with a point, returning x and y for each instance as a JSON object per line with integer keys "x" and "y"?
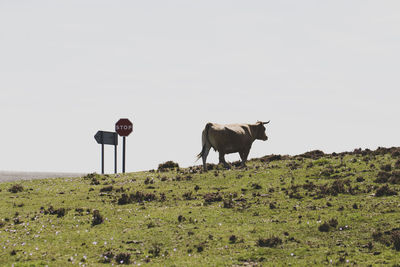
{"x": 260, "y": 131}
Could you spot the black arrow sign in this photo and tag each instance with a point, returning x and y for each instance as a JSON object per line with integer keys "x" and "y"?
{"x": 106, "y": 138}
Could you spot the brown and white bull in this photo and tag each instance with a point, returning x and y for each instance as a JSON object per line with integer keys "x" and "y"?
{"x": 231, "y": 138}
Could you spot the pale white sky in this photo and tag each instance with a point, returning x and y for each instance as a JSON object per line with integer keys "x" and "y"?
{"x": 326, "y": 73}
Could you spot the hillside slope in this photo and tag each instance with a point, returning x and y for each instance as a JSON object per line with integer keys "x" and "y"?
{"x": 310, "y": 209}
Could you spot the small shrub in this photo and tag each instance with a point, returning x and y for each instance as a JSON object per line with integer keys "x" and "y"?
{"x": 188, "y": 195}
{"x": 385, "y": 190}
{"x": 136, "y": 197}
{"x": 91, "y": 176}
{"x": 397, "y": 164}
{"x": 382, "y": 178}
{"x": 123, "y": 258}
{"x": 269, "y": 242}
{"x": 200, "y": 247}
{"x": 16, "y": 188}
{"x": 97, "y": 218}
{"x": 232, "y": 239}
{"x": 107, "y": 189}
{"x": 212, "y": 197}
{"x": 181, "y": 218}
{"x": 167, "y": 165}
{"x": 360, "y": 179}
{"x": 155, "y": 251}
{"x": 59, "y": 212}
{"x": 386, "y": 167}
{"x": 395, "y": 235}
{"x": 333, "y": 223}
{"x": 107, "y": 257}
{"x": 228, "y": 203}
{"x": 256, "y": 186}
{"x": 324, "y": 227}
{"x": 395, "y": 177}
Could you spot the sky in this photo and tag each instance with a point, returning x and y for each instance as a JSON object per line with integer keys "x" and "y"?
{"x": 326, "y": 73}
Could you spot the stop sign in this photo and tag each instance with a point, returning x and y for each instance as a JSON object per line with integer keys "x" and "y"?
{"x": 123, "y": 127}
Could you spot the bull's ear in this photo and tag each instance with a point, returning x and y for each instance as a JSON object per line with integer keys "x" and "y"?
{"x": 266, "y": 122}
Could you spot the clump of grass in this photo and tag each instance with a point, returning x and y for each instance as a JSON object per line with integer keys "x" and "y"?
{"x": 16, "y": 188}
{"x": 271, "y": 242}
{"x": 97, "y": 218}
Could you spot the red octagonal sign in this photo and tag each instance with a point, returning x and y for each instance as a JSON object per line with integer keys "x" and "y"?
{"x": 123, "y": 127}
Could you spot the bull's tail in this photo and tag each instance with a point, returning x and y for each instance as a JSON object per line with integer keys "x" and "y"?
{"x": 204, "y": 141}
{"x": 201, "y": 153}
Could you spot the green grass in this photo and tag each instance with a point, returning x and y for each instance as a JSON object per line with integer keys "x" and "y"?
{"x": 267, "y": 214}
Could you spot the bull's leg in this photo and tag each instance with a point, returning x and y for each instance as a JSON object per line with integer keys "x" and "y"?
{"x": 243, "y": 155}
{"x": 204, "y": 155}
{"x": 222, "y": 160}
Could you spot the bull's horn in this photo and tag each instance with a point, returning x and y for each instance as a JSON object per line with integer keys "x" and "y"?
{"x": 266, "y": 122}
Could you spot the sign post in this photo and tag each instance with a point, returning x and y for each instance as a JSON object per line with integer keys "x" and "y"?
{"x": 123, "y": 127}
{"x": 107, "y": 138}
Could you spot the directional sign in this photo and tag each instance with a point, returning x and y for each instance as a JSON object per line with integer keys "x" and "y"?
{"x": 106, "y": 138}
{"x": 123, "y": 127}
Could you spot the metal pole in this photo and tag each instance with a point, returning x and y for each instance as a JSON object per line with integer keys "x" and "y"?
{"x": 123, "y": 154}
{"x": 115, "y": 159}
{"x": 102, "y": 158}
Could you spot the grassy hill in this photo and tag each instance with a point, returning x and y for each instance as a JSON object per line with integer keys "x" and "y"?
{"x": 310, "y": 209}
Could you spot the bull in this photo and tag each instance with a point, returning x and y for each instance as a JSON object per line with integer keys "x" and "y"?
{"x": 231, "y": 138}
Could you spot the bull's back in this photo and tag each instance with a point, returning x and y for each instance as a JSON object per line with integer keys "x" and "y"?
{"x": 228, "y": 138}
